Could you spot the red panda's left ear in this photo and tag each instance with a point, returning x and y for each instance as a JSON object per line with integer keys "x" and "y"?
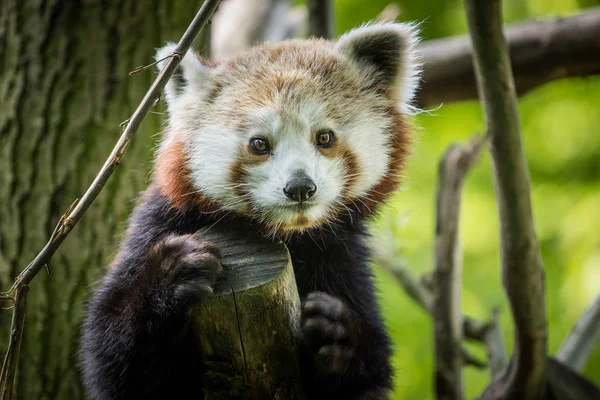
{"x": 386, "y": 53}
{"x": 190, "y": 76}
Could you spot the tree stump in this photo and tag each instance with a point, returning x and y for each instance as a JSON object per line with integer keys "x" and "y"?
{"x": 247, "y": 331}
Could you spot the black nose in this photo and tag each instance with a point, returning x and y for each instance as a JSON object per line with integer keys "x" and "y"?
{"x": 300, "y": 188}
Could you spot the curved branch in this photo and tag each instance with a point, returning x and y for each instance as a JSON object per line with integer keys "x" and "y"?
{"x": 522, "y": 272}
{"x": 447, "y": 275}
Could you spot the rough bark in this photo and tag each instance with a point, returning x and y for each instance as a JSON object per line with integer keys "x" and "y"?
{"x": 64, "y": 89}
{"x": 522, "y": 268}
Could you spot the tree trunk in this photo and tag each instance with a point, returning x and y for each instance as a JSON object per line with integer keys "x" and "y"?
{"x": 247, "y": 331}
{"x": 64, "y": 89}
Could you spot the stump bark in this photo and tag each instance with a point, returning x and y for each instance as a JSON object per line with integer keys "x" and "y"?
{"x": 247, "y": 332}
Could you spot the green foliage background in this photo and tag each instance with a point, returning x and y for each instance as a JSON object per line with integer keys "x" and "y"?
{"x": 561, "y": 134}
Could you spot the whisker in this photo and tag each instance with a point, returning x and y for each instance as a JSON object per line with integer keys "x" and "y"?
{"x": 216, "y": 222}
{"x": 314, "y": 241}
{"x": 348, "y": 209}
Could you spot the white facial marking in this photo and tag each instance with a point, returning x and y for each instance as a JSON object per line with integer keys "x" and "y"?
{"x": 213, "y": 150}
{"x": 293, "y": 150}
{"x": 368, "y": 139}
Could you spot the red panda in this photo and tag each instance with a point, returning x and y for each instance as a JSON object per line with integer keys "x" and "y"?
{"x": 301, "y": 140}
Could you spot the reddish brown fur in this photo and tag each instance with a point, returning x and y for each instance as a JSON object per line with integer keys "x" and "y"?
{"x": 351, "y": 164}
{"x": 172, "y": 176}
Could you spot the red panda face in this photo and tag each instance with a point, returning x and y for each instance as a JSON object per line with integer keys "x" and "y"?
{"x": 291, "y": 135}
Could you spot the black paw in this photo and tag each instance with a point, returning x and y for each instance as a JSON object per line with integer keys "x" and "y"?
{"x": 186, "y": 266}
{"x": 329, "y": 329}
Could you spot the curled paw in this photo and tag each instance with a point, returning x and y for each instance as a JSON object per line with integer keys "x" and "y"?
{"x": 186, "y": 265}
{"x": 328, "y": 329}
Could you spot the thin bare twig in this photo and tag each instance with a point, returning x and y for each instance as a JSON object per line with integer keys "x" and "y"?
{"x": 76, "y": 211}
{"x": 447, "y": 275}
{"x": 522, "y": 269}
{"x": 583, "y": 338}
{"x": 411, "y": 284}
{"x": 147, "y": 67}
{"x": 321, "y": 18}
{"x": 9, "y": 366}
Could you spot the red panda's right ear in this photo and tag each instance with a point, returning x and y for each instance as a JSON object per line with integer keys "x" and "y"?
{"x": 190, "y": 76}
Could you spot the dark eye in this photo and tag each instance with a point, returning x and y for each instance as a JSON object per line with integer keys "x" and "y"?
{"x": 325, "y": 138}
{"x": 259, "y": 146}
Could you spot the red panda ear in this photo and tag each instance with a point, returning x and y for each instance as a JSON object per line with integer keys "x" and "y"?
{"x": 190, "y": 75}
{"x": 386, "y": 53}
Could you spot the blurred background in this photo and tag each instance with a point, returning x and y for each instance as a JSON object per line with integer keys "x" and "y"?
{"x": 561, "y": 135}
{"x": 64, "y": 89}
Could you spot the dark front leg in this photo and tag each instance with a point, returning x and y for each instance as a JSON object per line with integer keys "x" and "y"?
{"x": 348, "y": 355}
{"x": 136, "y": 342}
{"x": 345, "y": 350}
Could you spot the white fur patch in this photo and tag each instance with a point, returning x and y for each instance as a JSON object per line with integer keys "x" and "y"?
{"x": 211, "y": 153}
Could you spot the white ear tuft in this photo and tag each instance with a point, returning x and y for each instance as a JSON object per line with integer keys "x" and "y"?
{"x": 189, "y": 75}
{"x": 387, "y": 53}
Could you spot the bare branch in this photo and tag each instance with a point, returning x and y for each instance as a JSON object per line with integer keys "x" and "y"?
{"x": 9, "y": 367}
{"x": 522, "y": 272}
{"x": 385, "y": 257}
{"x": 583, "y": 338}
{"x": 321, "y": 18}
{"x": 413, "y": 287}
{"x": 540, "y": 52}
{"x": 76, "y": 211}
{"x": 447, "y": 275}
